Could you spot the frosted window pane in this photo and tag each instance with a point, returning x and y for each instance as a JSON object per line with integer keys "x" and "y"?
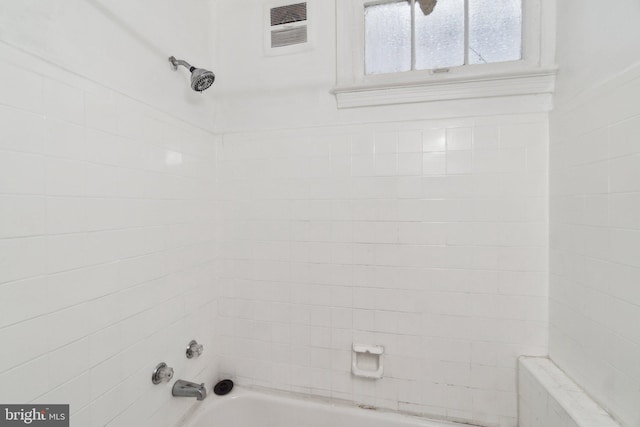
{"x": 495, "y": 31}
{"x": 388, "y": 38}
{"x": 440, "y": 35}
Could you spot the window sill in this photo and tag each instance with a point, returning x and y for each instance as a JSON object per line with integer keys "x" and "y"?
{"x": 539, "y": 81}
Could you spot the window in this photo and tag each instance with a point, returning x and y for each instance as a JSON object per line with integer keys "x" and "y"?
{"x": 400, "y": 51}
{"x": 424, "y": 34}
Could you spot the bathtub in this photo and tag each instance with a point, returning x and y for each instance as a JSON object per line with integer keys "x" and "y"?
{"x": 250, "y": 408}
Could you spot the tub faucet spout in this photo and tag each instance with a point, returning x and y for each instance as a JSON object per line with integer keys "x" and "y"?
{"x": 184, "y": 388}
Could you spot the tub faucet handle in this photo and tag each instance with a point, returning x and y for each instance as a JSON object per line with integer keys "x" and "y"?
{"x": 162, "y": 373}
{"x": 194, "y": 349}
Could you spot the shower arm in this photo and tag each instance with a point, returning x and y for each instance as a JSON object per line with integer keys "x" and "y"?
{"x": 175, "y": 62}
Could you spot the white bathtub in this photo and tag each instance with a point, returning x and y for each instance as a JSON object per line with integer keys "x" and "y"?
{"x": 248, "y": 408}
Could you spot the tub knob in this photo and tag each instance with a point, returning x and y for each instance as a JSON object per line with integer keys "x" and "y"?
{"x": 194, "y": 349}
{"x": 162, "y": 373}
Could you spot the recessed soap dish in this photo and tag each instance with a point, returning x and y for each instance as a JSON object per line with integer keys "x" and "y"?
{"x": 366, "y": 361}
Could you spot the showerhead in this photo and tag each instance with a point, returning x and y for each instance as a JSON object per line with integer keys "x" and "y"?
{"x": 201, "y": 79}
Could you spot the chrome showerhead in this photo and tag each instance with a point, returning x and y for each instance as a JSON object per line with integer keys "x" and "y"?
{"x": 201, "y": 79}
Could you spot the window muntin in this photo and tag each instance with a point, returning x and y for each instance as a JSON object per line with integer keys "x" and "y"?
{"x": 399, "y": 37}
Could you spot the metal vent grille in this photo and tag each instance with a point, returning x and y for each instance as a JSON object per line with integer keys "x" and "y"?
{"x": 289, "y": 36}
{"x": 288, "y": 14}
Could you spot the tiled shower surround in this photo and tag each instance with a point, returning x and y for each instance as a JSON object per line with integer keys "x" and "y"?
{"x": 426, "y": 237}
{"x": 107, "y": 252}
{"x": 595, "y": 237}
{"x": 126, "y": 232}
{"x": 278, "y": 230}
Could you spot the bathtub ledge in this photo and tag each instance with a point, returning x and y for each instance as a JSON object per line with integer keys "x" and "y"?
{"x": 547, "y": 397}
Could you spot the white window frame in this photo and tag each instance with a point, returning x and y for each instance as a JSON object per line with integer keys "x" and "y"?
{"x": 533, "y": 74}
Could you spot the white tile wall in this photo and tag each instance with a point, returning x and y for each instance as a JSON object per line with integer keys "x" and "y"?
{"x": 107, "y": 247}
{"x": 548, "y": 398}
{"x": 426, "y": 237}
{"x": 595, "y": 241}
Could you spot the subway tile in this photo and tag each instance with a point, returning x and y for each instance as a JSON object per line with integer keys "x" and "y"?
{"x": 363, "y": 165}
{"x": 386, "y": 142}
{"x": 34, "y": 372}
{"x": 25, "y": 90}
{"x": 624, "y": 247}
{"x": 104, "y": 148}
{"x": 538, "y": 159}
{"x": 340, "y": 166}
{"x": 624, "y": 174}
{"x": 105, "y": 376}
{"x": 363, "y": 142}
{"x": 72, "y": 393}
{"x": 104, "y": 408}
{"x": 100, "y": 111}
{"x": 76, "y": 286}
{"x": 82, "y": 416}
{"x": 459, "y": 139}
{"x": 69, "y": 362}
{"x": 65, "y": 177}
{"x": 499, "y": 161}
{"x": 66, "y": 252}
{"x": 22, "y": 258}
{"x": 65, "y": 140}
{"x": 21, "y": 216}
{"x": 21, "y": 131}
{"x": 433, "y": 163}
{"x": 459, "y": 162}
{"x": 22, "y": 300}
{"x": 386, "y": 164}
{"x": 433, "y": 140}
{"x": 65, "y": 215}
{"x": 30, "y": 337}
{"x": 21, "y": 173}
{"x": 523, "y": 135}
{"x": 486, "y": 137}
{"x": 624, "y": 137}
{"x": 410, "y": 164}
{"x": 63, "y": 102}
{"x": 410, "y": 141}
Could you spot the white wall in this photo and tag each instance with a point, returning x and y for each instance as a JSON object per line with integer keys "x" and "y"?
{"x": 107, "y": 218}
{"x": 426, "y": 237}
{"x": 595, "y": 203}
{"x": 420, "y": 227}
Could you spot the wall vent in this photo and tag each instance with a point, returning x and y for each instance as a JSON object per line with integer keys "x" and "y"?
{"x": 288, "y": 14}
{"x": 288, "y": 25}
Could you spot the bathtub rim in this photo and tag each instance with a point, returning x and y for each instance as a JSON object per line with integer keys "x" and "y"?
{"x": 312, "y": 401}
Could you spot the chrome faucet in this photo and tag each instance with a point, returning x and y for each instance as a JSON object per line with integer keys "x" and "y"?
{"x": 188, "y": 389}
